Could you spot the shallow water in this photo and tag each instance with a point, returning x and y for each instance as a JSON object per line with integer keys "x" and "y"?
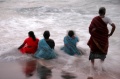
{"x": 17, "y": 17}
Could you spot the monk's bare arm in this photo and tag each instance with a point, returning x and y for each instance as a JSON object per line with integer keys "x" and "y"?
{"x": 112, "y": 30}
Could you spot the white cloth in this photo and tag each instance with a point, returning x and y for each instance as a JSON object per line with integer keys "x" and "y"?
{"x": 107, "y": 20}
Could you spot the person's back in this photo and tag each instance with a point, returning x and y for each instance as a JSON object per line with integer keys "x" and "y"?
{"x": 51, "y": 43}
{"x": 99, "y": 32}
{"x": 71, "y": 38}
{"x": 30, "y": 44}
{"x": 70, "y": 42}
{"x": 45, "y": 47}
{"x": 70, "y": 48}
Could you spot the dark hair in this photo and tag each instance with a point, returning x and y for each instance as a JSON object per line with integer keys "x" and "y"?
{"x": 31, "y": 34}
{"x": 46, "y": 34}
{"x": 102, "y": 11}
{"x": 70, "y": 33}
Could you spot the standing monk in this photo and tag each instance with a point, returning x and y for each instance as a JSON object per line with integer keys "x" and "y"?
{"x": 98, "y": 41}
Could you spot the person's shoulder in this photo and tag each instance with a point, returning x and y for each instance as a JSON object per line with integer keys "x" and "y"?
{"x": 51, "y": 40}
{"x": 108, "y": 20}
{"x": 95, "y": 17}
{"x": 76, "y": 37}
{"x": 27, "y": 38}
{"x": 66, "y": 36}
{"x": 42, "y": 40}
{"x": 106, "y": 17}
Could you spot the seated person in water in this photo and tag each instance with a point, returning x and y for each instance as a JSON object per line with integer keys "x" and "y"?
{"x": 70, "y": 42}
{"x": 45, "y": 48}
{"x": 30, "y": 44}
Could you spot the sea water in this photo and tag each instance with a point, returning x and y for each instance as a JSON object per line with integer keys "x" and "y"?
{"x": 18, "y": 17}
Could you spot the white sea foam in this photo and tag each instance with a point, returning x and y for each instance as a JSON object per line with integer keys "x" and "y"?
{"x": 58, "y": 16}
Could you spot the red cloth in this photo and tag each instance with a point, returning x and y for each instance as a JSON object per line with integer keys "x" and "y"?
{"x": 98, "y": 41}
{"x": 30, "y": 46}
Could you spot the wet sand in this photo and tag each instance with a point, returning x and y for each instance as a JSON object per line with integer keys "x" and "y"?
{"x": 17, "y": 17}
{"x": 27, "y": 67}
{"x": 31, "y": 69}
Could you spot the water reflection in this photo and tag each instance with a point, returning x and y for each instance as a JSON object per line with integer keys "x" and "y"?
{"x": 32, "y": 67}
{"x": 67, "y": 75}
{"x": 29, "y": 67}
{"x": 44, "y": 72}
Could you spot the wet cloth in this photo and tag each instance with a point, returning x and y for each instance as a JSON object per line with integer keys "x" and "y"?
{"x": 30, "y": 46}
{"x": 70, "y": 46}
{"x": 98, "y": 41}
{"x": 44, "y": 51}
{"x": 97, "y": 55}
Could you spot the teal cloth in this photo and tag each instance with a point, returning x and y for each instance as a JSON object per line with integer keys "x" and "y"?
{"x": 70, "y": 46}
{"x": 44, "y": 51}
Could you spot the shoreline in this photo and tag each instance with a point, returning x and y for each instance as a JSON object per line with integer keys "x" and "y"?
{"x": 33, "y": 70}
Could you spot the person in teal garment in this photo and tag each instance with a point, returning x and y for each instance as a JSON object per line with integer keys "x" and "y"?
{"x": 45, "y": 49}
{"x": 70, "y": 48}
{"x": 70, "y": 42}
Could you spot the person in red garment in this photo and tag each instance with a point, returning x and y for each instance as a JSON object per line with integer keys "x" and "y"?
{"x": 30, "y": 44}
{"x": 98, "y": 41}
